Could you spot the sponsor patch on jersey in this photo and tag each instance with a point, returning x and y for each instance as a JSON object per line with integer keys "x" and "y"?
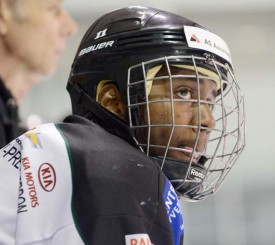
{"x": 12, "y": 153}
{"x": 30, "y": 182}
{"x": 138, "y": 239}
{"x": 47, "y": 177}
{"x": 208, "y": 41}
{"x": 33, "y": 137}
{"x": 173, "y": 211}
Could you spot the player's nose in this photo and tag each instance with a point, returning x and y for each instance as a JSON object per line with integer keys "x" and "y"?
{"x": 203, "y": 119}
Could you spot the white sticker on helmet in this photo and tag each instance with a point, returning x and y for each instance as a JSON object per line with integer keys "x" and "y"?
{"x": 208, "y": 41}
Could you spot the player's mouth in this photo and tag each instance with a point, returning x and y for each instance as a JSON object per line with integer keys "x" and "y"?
{"x": 187, "y": 153}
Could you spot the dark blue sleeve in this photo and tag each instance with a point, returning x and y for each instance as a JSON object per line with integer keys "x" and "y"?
{"x": 174, "y": 213}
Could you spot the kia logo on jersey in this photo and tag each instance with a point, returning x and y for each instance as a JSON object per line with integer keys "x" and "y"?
{"x": 47, "y": 177}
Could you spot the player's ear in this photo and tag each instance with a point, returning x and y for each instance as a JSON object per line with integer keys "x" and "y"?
{"x": 111, "y": 99}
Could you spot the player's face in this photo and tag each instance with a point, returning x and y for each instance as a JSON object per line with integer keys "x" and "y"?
{"x": 185, "y": 113}
{"x": 39, "y": 37}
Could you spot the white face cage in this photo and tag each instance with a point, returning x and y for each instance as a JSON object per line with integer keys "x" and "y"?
{"x": 226, "y": 139}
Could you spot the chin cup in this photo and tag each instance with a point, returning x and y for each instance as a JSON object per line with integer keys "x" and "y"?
{"x": 176, "y": 170}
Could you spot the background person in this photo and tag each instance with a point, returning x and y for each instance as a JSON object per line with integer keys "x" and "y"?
{"x": 33, "y": 35}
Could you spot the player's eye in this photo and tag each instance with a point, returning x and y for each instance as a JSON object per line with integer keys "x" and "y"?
{"x": 211, "y": 104}
{"x": 184, "y": 93}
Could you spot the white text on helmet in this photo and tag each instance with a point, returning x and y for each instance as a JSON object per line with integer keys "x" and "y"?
{"x": 96, "y": 47}
{"x": 195, "y": 173}
{"x": 101, "y": 34}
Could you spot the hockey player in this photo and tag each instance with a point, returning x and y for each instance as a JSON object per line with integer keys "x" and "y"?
{"x": 157, "y": 114}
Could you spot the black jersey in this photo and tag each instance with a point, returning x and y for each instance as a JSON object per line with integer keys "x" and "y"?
{"x": 75, "y": 183}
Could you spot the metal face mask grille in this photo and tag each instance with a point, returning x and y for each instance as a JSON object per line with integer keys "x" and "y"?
{"x": 176, "y": 117}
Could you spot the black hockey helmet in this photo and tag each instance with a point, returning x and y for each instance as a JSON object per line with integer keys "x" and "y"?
{"x": 128, "y": 47}
{"x": 129, "y": 36}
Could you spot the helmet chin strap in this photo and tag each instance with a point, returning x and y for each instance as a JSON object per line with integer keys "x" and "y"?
{"x": 176, "y": 170}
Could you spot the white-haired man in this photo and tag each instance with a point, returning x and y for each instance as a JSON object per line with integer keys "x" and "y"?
{"x": 33, "y": 35}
